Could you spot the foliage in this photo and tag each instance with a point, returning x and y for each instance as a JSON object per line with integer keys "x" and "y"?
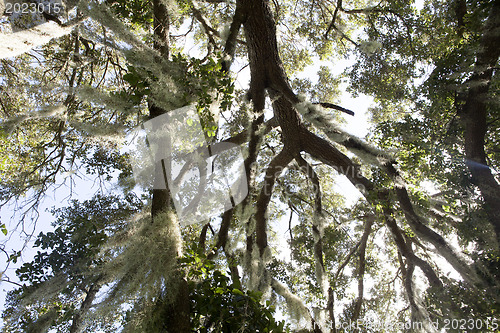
{"x": 367, "y": 223}
{"x": 68, "y": 263}
{"x": 220, "y": 305}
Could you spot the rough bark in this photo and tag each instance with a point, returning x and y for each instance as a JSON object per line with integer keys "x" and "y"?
{"x": 268, "y": 75}
{"x": 418, "y": 226}
{"x": 277, "y": 165}
{"x": 161, "y": 27}
{"x": 78, "y": 324}
{"x": 475, "y": 117}
{"x": 177, "y": 319}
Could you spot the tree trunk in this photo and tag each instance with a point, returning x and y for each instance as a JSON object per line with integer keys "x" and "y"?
{"x": 475, "y": 118}
{"x": 78, "y": 325}
{"x": 177, "y": 318}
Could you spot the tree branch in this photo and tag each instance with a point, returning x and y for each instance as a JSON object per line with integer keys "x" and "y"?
{"x": 208, "y": 29}
{"x": 223, "y": 232}
{"x": 317, "y": 223}
{"x": 203, "y": 237}
{"x": 334, "y": 17}
{"x": 426, "y": 233}
{"x": 77, "y": 325}
{"x": 407, "y": 251}
{"x": 294, "y": 302}
{"x": 336, "y": 107}
{"x": 327, "y": 153}
{"x": 361, "y": 267}
{"x": 346, "y": 260}
{"x": 275, "y": 168}
{"x": 231, "y": 41}
{"x": 475, "y": 116}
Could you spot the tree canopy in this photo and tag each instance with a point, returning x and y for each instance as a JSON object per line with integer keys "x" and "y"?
{"x": 411, "y": 245}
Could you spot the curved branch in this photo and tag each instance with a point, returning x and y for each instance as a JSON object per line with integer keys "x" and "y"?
{"x": 418, "y": 313}
{"x": 346, "y": 260}
{"x": 203, "y": 237}
{"x": 218, "y": 148}
{"x": 407, "y": 251}
{"x": 243, "y": 136}
{"x": 223, "y": 233}
{"x": 334, "y": 17}
{"x": 274, "y": 170}
{"x": 209, "y": 31}
{"x": 426, "y": 233}
{"x": 326, "y": 152}
{"x": 313, "y": 177}
{"x": 231, "y": 41}
{"x": 77, "y": 325}
{"x": 294, "y": 303}
{"x": 336, "y": 107}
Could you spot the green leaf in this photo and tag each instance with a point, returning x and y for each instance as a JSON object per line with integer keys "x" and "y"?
{"x": 238, "y": 292}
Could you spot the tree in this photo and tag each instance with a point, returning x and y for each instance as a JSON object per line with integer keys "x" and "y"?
{"x": 123, "y": 65}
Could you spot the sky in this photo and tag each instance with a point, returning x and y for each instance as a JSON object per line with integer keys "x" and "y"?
{"x": 84, "y": 187}
{"x": 15, "y": 43}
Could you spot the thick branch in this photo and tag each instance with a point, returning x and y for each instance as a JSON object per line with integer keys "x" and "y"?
{"x": 77, "y": 325}
{"x": 231, "y": 41}
{"x": 223, "y": 232}
{"x": 161, "y": 25}
{"x": 407, "y": 251}
{"x": 324, "y": 151}
{"x": 178, "y": 310}
{"x": 203, "y": 238}
{"x": 253, "y": 145}
{"x": 418, "y": 313}
{"x": 334, "y": 17}
{"x": 277, "y": 165}
{"x": 426, "y": 233}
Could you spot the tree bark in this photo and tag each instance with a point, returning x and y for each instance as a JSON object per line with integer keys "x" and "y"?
{"x": 475, "y": 114}
{"x": 361, "y": 268}
{"x": 78, "y": 325}
{"x": 277, "y": 165}
{"x": 177, "y": 319}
